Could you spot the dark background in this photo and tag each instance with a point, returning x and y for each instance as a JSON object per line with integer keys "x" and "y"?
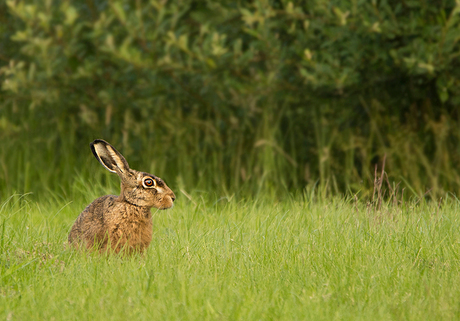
{"x": 232, "y": 96}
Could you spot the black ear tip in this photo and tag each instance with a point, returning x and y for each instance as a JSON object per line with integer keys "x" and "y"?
{"x": 97, "y": 141}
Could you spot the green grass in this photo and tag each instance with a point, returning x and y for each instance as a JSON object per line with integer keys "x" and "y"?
{"x": 297, "y": 259}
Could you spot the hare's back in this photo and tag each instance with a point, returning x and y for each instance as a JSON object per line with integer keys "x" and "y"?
{"x": 91, "y": 224}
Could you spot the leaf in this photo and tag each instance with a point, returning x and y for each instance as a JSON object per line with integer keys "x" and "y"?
{"x": 426, "y": 66}
{"x": 119, "y": 11}
{"x": 71, "y": 14}
{"x": 183, "y": 42}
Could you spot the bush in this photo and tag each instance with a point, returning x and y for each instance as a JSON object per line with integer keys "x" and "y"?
{"x": 235, "y": 95}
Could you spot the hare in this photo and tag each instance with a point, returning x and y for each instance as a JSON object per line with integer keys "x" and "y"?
{"x": 124, "y": 222}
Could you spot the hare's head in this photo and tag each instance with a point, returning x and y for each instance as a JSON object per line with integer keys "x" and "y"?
{"x": 137, "y": 188}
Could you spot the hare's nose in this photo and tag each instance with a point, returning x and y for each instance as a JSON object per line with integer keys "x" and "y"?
{"x": 173, "y": 198}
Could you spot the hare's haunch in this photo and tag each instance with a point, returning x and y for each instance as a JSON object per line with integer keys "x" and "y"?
{"x": 124, "y": 222}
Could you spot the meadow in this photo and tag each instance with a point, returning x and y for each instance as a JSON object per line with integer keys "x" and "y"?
{"x": 301, "y": 257}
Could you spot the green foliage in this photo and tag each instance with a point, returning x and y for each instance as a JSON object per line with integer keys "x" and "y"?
{"x": 233, "y": 95}
{"x": 299, "y": 259}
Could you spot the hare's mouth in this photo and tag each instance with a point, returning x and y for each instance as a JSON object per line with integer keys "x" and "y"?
{"x": 168, "y": 202}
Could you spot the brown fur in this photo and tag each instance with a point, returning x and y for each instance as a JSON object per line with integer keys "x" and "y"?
{"x": 124, "y": 222}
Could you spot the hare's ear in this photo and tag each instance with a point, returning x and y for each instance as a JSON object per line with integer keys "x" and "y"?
{"x": 108, "y": 156}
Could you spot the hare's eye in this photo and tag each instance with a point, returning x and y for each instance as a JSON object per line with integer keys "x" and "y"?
{"x": 148, "y": 182}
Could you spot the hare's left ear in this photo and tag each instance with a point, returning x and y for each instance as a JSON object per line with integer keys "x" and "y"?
{"x": 109, "y": 157}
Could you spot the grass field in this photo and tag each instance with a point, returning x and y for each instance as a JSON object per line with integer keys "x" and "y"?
{"x": 297, "y": 259}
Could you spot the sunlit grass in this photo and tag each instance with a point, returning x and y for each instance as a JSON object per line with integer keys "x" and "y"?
{"x": 238, "y": 260}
